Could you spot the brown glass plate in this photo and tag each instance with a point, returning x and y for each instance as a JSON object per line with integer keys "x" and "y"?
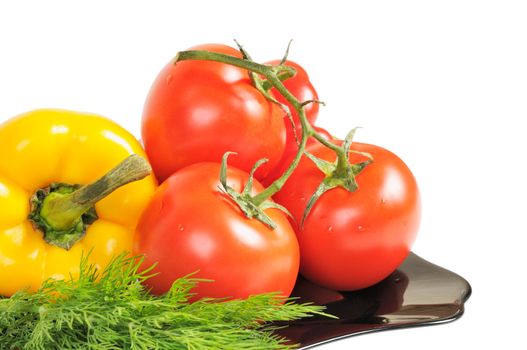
{"x": 419, "y": 293}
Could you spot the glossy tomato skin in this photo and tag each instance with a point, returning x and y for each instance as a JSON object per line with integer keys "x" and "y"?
{"x": 191, "y": 225}
{"x": 302, "y": 88}
{"x": 198, "y": 110}
{"x": 352, "y": 240}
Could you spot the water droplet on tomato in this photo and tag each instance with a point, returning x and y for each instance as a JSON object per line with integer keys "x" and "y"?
{"x": 361, "y": 228}
{"x": 181, "y": 227}
{"x": 330, "y": 228}
{"x": 169, "y": 79}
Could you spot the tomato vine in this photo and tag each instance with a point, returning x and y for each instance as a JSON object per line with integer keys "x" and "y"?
{"x": 342, "y": 174}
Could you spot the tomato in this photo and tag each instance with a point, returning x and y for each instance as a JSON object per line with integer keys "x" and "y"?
{"x": 301, "y": 87}
{"x": 191, "y": 225}
{"x": 198, "y": 110}
{"x": 352, "y": 240}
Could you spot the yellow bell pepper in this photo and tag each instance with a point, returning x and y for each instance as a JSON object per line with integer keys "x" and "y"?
{"x": 48, "y": 220}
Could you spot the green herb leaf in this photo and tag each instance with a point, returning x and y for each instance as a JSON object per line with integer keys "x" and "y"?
{"x": 113, "y": 310}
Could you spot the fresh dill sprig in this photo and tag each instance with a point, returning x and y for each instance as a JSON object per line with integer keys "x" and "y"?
{"x": 111, "y": 310}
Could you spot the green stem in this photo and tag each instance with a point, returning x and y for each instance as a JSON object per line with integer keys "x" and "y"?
{"x": 325, "y": 142}
{"x": 306, "y": 132}
{"x": 61, "y": 212}
{"x": 267, "y": 85}
{"x": 197, "y": 55}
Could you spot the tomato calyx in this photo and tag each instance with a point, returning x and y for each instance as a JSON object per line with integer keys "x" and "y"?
{"x": 244, "y": 200}
{"x": 340, "y": 173}
{"x": 282, "y": 72}
{"x": 63, "y": 212}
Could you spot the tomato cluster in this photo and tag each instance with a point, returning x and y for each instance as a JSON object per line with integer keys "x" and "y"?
{"x": 200, "y": 109}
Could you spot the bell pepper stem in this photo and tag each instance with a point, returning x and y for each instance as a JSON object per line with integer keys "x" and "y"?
{"x": 61, "y": 212}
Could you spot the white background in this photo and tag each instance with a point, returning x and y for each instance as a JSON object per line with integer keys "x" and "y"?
{"x": 441, "y": 83}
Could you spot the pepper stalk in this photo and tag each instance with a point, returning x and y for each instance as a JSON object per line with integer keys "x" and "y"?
{"x": 62, "y": 212}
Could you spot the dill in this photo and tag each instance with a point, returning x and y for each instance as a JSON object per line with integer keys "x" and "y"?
{"x": 111, "y": 310}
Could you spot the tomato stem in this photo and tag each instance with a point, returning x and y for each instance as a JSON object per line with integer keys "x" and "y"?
{"x": 200, "y": 55}
{"x": 274, "y": 76}
{"x": 306, "y": 132}
{"x": 267, "y": 85}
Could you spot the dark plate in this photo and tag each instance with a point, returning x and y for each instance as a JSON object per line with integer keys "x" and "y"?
{"x": 419, "y": 293}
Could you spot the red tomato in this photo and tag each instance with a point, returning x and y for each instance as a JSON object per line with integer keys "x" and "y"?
{"x": 352, "y": 240}
{"x": 303, "y": 90}
{"x": 191, "y": 225}
{"x": 198, "y": 110}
